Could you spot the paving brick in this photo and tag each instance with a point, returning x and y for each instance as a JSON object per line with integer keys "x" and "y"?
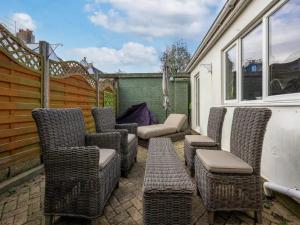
{"x": 20, "y": 218}
{"x": 8, "y": 221}
{"x": 25, "y": 204}
{"x": 134, "y": 213}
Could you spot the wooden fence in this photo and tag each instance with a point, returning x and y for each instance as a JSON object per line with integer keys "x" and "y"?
{"x": 22, "y": 88}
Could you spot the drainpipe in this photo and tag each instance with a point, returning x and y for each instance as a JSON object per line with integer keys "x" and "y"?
{"x": 293, "y": 193}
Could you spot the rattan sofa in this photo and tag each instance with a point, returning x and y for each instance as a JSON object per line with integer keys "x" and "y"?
{"x": 105, "y": 121}
{"x": 81, "y": 169}
{"x": 231, "y": 180}
{"x": 211, "y": 141}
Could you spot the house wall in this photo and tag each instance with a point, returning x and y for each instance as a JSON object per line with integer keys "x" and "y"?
{"x": 280, "y": 158}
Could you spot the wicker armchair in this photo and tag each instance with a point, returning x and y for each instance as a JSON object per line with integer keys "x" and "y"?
{"x": 105, "y": 122}
{"x": 81, "y": 169}
{"x": 231, "y": 180}
{"x": 211, "y": 141}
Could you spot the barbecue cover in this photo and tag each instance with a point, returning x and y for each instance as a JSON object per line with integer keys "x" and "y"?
{"x": 139, "y": 113}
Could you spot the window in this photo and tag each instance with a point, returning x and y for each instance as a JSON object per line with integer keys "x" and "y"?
{"x": 230, "y": 73}
{"x": 252, "y": 65}
{"x": 263, "y": 64}
{"x": 284, "y": 49}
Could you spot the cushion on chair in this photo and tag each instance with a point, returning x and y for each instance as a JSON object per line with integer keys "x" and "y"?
{"x": 176, "y": 120}
{"x": 223, "y": 162}
{"x": 131, "y": 137}
{"x": 200, "y": 140}
{"x": 146, "y": 132}
{"x": 105, "y": 156}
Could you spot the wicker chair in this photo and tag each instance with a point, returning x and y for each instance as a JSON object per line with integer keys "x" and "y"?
{"x": 81, "y": 169}
{"x": 211, "y": 141}
{"x": 105, "y": 122}
{"x": 230, "y": 181}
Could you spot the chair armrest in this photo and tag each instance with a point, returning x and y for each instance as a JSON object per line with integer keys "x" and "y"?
{"x": 72, "y": 163}
{"x": 131, "y": 127}
{"x": 110, "y": 140}
{"x": 124, "y": 135}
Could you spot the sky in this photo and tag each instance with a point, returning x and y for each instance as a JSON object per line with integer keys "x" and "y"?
{"x": 126, "y": 35}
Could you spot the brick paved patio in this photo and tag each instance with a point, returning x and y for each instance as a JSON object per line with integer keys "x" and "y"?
{"x": 23, "y": 205}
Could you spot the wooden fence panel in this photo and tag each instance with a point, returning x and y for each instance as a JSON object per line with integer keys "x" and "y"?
{"x": 72, "y": 92}
{"x": 20, "y": 92}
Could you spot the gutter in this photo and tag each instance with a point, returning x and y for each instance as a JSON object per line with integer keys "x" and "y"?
{"x": 230, "y": 11}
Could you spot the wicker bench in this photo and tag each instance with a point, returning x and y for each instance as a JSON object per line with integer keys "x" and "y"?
{"x": 168, "y": 190}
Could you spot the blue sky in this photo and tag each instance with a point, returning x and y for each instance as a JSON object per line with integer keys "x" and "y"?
{"x": 115, "y": 35}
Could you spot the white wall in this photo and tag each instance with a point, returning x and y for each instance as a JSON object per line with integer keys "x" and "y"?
{"x": 281, "y": 151}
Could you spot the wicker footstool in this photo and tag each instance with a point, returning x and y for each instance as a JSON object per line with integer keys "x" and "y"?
{"x": 168, "y": 190}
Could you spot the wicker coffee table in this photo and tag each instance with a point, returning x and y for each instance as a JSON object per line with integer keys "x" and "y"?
{"x": 168, "y": 190}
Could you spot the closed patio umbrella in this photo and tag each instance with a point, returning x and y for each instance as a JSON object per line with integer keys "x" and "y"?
{"x": 165, "y": 89}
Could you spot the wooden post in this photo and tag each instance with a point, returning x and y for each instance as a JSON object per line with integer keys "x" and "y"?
{"x": 97, "y": 89}
{"x": 44, "y": 51}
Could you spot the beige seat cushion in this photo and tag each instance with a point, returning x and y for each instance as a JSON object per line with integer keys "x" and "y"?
{"x": 223, "y": 162}
{"x": 131, "y": 137}
{"x": 105, "y": 156}
{"x": 176, "y": 120}
{"x": 200, "y": 140}
{"x": 146, "y": 132}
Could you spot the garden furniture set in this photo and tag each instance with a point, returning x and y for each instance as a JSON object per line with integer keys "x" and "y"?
{"x": 82, "y": 170}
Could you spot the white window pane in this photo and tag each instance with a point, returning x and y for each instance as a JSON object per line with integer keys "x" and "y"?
{"x": 284, "y": 49}
{"x": 252, "y": 65}
{"x": 230, "y": 74}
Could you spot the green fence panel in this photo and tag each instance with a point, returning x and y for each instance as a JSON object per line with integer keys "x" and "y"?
{"x": 109, "y": 100}
{"x": 135, "y": 90}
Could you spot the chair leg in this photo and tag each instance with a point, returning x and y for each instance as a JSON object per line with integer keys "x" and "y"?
{"x": 198, "y": 192}
{"x": 258, "y": 216}
{"x": 48, "y": 220}
{"x": 118, "y": 184}
{"x": 192, "y": 173}
{"x": 125, "y": 174}
{"x": 95, "y": 221}
{"x": 135, "y": 159}
{"x": 211, "y": 217}
{"x": 185, "y": 163}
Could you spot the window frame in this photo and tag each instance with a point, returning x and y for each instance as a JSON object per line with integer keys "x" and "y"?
{"x": 228, "y": 101}
{"x": 248, "y": 31}
{"x": 281, "y": 99}
{"x": 196, "y": 96}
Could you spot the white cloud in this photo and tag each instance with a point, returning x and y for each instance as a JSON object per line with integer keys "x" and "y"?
{"x": 132, "y": 57}
{"x": 156, "y": 18}
{"x": 24, "y": 21}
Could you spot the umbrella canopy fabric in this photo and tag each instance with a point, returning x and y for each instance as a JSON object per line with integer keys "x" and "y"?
{"x": 165, "y": 89}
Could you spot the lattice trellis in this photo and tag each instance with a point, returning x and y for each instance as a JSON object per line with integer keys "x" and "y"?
{"x": 104, "y": 83}
{"x": 69, "y": 68}
{"x": 19, "y": 52}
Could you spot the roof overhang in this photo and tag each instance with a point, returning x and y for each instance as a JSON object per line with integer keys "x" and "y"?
{"x": 230, "y": 11}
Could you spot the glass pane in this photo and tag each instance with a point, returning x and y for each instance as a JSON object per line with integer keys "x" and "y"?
{"x": 284, "y": 49}
{"x": 230, "y": 76}
{"x": 252, "y": 65}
